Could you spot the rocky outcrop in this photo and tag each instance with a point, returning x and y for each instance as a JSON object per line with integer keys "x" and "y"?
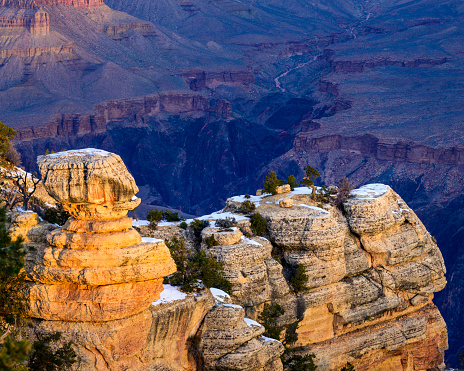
{"x": 248, "y": 266}
{"x": 199, "y": 80}
{"x": 32, "y": 4}
{"x": 37, "y": 22}
{"x": 371, "y": 275}
{"x": 97, "y": 268}
{"x": 96, "y": 281}
{"x": 228, "y": 341}
{"x": 381, "y": 149}
{"x": 351, "y": 66}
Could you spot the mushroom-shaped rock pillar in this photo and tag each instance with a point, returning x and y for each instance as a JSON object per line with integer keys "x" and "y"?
{"x": 97, "y": 267}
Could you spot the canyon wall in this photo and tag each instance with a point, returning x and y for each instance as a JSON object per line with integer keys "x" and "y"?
{"x": 32, "y": 4}
{"x": 372, "y": 270}
{"x": 77, "y": 125}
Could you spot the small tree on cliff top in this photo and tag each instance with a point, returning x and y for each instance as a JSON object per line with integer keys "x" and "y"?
{"x": 311, "y": 175}
{"x": 271, "y": 183}
{"x": 291, "y": 181}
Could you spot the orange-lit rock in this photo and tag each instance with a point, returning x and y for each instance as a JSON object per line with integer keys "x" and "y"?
{"x": 99, "y": 269}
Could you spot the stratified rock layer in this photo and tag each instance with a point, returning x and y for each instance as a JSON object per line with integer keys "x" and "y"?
{"x": 99, "y": 284}
{"x": 371, "y": 271}
{"x": 228, "y": 341}
{"x": 97, "y": 268}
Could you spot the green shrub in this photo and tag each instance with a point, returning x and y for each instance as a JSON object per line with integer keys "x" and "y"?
{"x": 197, "y": 226}
{"x": 258, "y": 224}
{"x": 6, "y": 134}
{"x": 45, "y": 356}
{"x": 348, "y": 367}
{"x": 299, "y": 279}
{"x": 247, "y": 196}
{"x": 226, "y": 223}
{"x": 194, "y": 267}
{"x": 183, "y": 225}
{"x": 247, "y": 207}
{"x": 211, "y": 241}
{"x": 211, "y": 272}
{"x": 300, "y": 363}
{"x": 171, "y": 216}
{"x": 13, "y": 353}
{"x": 271, "y": 183}
{"x": 180, "y": 256}
{"x": 291, "y": 181}
{"x": 56, "y": 215}
{"x": 154, "y": 216}
{"x": 268, "y": 318}
{"x": 290, "y": 334}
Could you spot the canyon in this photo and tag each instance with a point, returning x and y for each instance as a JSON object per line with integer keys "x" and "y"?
{"x": 371, "y": 273}
{"x": 370, "y": 90}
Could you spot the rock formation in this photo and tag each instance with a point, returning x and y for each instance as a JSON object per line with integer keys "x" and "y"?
{"x": 29, "y": 4}
{"x": 99, "y": 283}
{"x": 96, "y": 268}
{"x": 372, "y": 272}
{"x": 228, "y": 341}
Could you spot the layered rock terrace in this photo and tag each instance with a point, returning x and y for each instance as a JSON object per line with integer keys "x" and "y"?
{"x": 97, "y": 268}
{"x": 99, "y": 283}
{"x": 372, "y": 273}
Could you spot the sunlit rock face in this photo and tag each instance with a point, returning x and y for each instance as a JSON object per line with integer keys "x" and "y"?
{"x": 99, "y": 283}
{"x": 97, "y": 268}
{"x": 372, "y": 272}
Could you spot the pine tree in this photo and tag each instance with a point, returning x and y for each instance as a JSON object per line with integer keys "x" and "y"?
{"x": 291, "y": 181}
{"x": 299, "y": 279}
{"x": 301, "y": 363}
{"x": 348, "y": 367}
{"x": 13, "y": 299}
{"x": 311, "y": 175}
{"x": 258, "y": 224}
{"x": 6, "y": 133}
{"x": 271, "y": 183}
{"x": 268, "y": 318}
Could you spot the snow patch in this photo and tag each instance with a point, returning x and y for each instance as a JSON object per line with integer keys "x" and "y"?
{"x": 314, "y": 208}
{"x": 233, "y": 306}
{"x": 251, "y": 323}
{"x": 370, "y": 191}
{"x": 255, "y": 199}
{"x": 219, "y": 295}
{"x": 21, "y": 210}
{"x": 139, "y": 223}
{"x": 302, "y": 191}
{"x": 218, "y": 215}
{"x": 266, "y": 339}
{"x": 80, "y": 152}
{"x": 169, "y": 294}
{"x": 151, "y": 240}
{"x": 249, "y": 241}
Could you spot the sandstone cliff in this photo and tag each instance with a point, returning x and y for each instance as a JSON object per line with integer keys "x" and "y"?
{"x": 372, "y": 271}
{"x": 99, "y": 283}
